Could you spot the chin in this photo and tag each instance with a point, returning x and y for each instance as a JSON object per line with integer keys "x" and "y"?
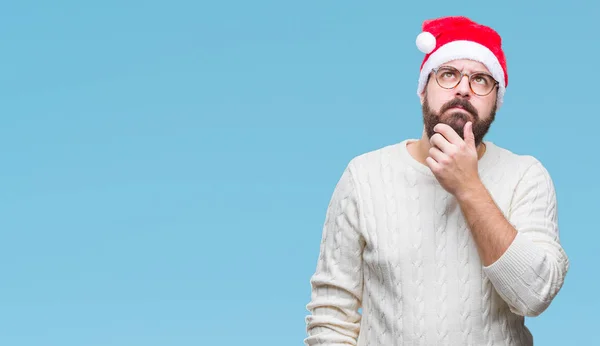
{"x": 457, "y": 121}
{"x": 459, "y": 114}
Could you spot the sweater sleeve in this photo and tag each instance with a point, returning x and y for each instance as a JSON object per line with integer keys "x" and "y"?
{"x": 338, "y": 279}
{"x": 531, "y": 272}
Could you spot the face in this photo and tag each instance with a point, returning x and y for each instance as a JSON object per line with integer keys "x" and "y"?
{"x": 457, "y": 106}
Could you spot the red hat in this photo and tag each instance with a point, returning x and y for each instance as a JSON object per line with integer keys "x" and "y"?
{"x": 449, "y": 38}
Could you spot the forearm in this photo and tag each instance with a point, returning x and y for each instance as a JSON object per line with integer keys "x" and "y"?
{"x": 492, "y": 232}
{"x": 520, "y": 252}
{"x": 524, "y": 262}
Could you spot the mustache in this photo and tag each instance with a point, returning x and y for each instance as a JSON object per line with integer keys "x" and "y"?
{"x": 462, "y": 103}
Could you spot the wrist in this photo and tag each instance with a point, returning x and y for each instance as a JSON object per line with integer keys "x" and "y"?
{"x": 473, "y": 191}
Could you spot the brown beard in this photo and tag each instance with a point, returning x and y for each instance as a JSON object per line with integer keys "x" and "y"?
{"x": 457, "y": 119}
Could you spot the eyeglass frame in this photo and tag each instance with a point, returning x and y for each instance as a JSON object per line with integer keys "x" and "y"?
{"x": 462, "y": 74}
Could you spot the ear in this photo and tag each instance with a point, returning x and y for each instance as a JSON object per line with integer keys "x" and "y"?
{"x": 422, "y": 95}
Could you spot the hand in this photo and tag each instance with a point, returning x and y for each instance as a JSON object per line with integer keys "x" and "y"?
{"x": 453, "y": 160}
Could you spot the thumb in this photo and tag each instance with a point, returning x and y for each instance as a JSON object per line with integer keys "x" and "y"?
{"x": 469, "y": 136}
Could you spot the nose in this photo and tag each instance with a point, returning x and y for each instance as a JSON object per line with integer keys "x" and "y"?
{"x": 463, "y": 89}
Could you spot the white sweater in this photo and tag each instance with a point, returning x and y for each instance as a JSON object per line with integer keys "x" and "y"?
{"x": 396, "y": 245}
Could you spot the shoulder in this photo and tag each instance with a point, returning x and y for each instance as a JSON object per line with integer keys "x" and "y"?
{"x": 516, "y": 162}
{"x": 526, "y": 168}
{"x": 374, "y": 161}
{"x": 363, "y": 170}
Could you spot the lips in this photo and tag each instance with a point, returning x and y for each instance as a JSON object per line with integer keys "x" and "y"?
{"x": 465, "y": 112}
{"x": 461, "y": 104}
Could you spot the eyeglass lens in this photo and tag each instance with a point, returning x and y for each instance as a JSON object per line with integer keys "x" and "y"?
{"x": 481, "y": 83}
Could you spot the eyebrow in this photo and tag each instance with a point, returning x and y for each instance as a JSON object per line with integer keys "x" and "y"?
{"x": 470, "y": 72}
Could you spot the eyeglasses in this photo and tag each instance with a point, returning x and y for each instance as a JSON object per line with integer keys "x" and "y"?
{"x": 480, "y": 83}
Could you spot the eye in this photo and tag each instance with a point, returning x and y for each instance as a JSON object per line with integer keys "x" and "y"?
{"x": 448, "y": 74}
{"x": 482, "y": 79}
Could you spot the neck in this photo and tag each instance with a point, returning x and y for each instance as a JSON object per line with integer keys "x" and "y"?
{"x": 420, "y": 149}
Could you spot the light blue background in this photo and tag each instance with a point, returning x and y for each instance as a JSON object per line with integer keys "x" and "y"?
{"x": 166, "y": 166}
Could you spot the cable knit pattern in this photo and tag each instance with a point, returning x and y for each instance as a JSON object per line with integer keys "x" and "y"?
{"x": 464, "y": 280}
{"x": 504, "y": 324}
{"x": 392, "y": 217}
{"x": 417, "y": 254}
{"x": 396, "y": 244}
{"x": 486, "y": 308}
{"x": 441, "y": 266}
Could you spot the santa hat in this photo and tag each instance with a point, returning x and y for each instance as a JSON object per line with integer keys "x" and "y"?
{"x": 449, "y": 38}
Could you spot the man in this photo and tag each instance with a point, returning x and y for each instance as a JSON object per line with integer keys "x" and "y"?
{"x": 445, "y": 240}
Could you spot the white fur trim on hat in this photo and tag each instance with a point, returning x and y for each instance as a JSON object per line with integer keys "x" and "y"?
{"x": 464, "y": 50}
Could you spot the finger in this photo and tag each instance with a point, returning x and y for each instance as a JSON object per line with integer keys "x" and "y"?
{"x": 448, "y": 132}
{"x": 434, "y": 166}
{"x": 436, "y": 154}
{"x": 469, "y": 136}
{"x": 438, "y": 140}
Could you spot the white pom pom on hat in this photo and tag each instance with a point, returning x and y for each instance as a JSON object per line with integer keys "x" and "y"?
{"x": 426, "y": 42}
